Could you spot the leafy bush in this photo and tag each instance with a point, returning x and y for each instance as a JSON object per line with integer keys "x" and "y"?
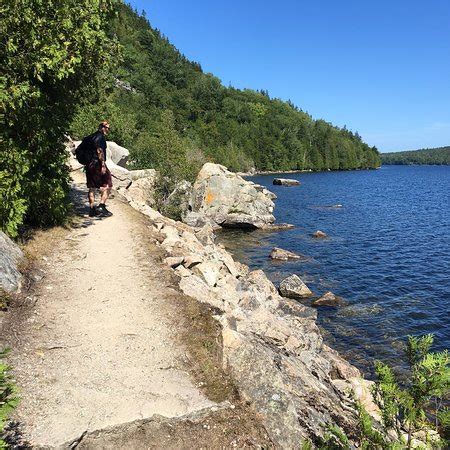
{"x": 54, "y": 56}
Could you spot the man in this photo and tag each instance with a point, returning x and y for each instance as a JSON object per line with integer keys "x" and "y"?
{"x": 98, "y": 175}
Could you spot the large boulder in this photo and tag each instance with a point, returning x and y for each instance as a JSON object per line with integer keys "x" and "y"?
{"x": 229, "y": 200}
{"x": 293, "y": 287}
{"x": 117, "y": 154}
{"x": 10, "y": 259}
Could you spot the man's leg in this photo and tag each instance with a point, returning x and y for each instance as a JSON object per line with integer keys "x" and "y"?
{"x": 91, "y": 197}
{"x": 105, "y": 194}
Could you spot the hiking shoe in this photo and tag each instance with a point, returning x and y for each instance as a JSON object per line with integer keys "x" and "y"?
{"x": 103, "y": 211}
{"x": 93, "y": 212}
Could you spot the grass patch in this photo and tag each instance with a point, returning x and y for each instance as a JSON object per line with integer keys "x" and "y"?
{"x": 202, "y": 336}
{"x": 8, "y": 395}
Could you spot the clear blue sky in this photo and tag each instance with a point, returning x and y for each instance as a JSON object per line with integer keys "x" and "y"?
{"x": 380, "y": 67}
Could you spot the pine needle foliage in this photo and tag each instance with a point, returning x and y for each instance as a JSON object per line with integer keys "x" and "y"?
{"x": 405, "y": 407}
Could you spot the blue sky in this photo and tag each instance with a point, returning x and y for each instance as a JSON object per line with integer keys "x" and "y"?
{"x": 381, "y": 68}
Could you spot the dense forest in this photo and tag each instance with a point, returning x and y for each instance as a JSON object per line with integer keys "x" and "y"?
{"x": 435, "y": 156}
{"x": 238, "y": 128}
{"x": 67, "y": 65}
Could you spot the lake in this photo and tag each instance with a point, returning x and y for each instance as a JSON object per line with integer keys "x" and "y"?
{"x": 387, "y": 255}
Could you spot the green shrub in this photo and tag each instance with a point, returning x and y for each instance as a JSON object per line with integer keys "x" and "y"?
{"x": 8, "y": 395}
{"x": 55, "y": 55}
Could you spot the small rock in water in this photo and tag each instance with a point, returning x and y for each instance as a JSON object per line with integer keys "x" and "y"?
{"x": 319, "y": 235}
{"x": 293, "y": 287}
{"x": 285, "y": 182}
{"x": 277, "y": 226}
{"x": 283, "y": 255}
{"x": 328, "y": 299}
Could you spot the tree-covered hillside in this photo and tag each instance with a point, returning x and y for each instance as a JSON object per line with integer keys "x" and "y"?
{"x": 437, "y": 156}
{"x": 238, "y": 128}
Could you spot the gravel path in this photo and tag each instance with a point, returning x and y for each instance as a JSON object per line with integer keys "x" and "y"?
{"x": 99, "y": 348}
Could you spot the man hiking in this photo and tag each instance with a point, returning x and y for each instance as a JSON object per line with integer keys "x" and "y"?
{"x": 98, "y": 175}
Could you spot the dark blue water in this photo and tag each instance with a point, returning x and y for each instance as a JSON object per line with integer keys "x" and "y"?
{"x": 388, "y": 254}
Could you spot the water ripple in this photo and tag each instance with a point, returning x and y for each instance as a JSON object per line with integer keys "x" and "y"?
{"x": 388, "y": 254}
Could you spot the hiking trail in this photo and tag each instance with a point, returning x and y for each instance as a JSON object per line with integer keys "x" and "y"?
{"x": 99, "y": 347}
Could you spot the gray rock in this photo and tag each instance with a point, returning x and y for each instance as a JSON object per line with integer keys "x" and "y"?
{"x": 285, "y": 182}
{"x": 283, "y": 255}
{"x": 174, "y": 261}
{"x": 293, "y": 287}
{"x": 229, "y": 200}
{"x": 141, "y": 191}
{"x": 10, "y": 258}
{"x": 328, "y": 299}
{"x": 319, "y": 235}
{"x": 198, "y": 220}
{"x": 117, "y": 154}
{"x": 277, "y": 226}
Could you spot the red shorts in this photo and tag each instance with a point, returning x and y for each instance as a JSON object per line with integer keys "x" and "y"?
{"x": 95, "y": 179}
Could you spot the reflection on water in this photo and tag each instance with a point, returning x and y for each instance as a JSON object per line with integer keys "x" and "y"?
{"x": 388, "y": 254}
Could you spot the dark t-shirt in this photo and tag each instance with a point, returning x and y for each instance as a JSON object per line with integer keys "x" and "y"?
{"x": 100, "y": 142}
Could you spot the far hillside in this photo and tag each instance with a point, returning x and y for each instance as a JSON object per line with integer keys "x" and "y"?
{"x": 433, "y": 156}
{"x": 158, "y": 93}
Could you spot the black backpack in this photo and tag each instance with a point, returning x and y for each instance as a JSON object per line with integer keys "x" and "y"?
{"x": 85, "y": 152}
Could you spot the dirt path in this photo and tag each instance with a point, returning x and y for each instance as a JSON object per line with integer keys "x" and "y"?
{"x": 99, "y": 347}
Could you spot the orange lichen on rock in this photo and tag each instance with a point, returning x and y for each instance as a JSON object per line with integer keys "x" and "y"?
{"x": 209, "y": 197}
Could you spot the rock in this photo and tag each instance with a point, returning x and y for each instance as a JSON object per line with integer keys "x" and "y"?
{"x": 197, "y": 220}
{"x": 285, "y": 182}
{"x": 117, "y": 154}
{"x": 191, "y": 261}
{"x": 206, "y": 234}
{"x": 141, "y": 191}
{"x": 209, "y": 271}
{"x": 283, "y": 255}
{"x": 142, "y": 173}
{"x": 293, "y": 287}
{"x": 328, "y": 299}
{"x": 10, "y": 258}
{"x": 319, "y": 234}
{"x": 277, "y": 226}
{"x": 229, "y": 200}
{"x": 174, "y": 261}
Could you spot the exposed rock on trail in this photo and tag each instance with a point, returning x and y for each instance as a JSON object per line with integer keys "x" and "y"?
{"x": 10, "y": 258}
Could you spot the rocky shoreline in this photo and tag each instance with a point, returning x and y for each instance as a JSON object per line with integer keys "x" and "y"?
{"x": 271, "y": 345}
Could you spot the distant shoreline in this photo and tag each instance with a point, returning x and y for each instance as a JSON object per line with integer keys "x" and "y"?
{"x": 275, "y": 172}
